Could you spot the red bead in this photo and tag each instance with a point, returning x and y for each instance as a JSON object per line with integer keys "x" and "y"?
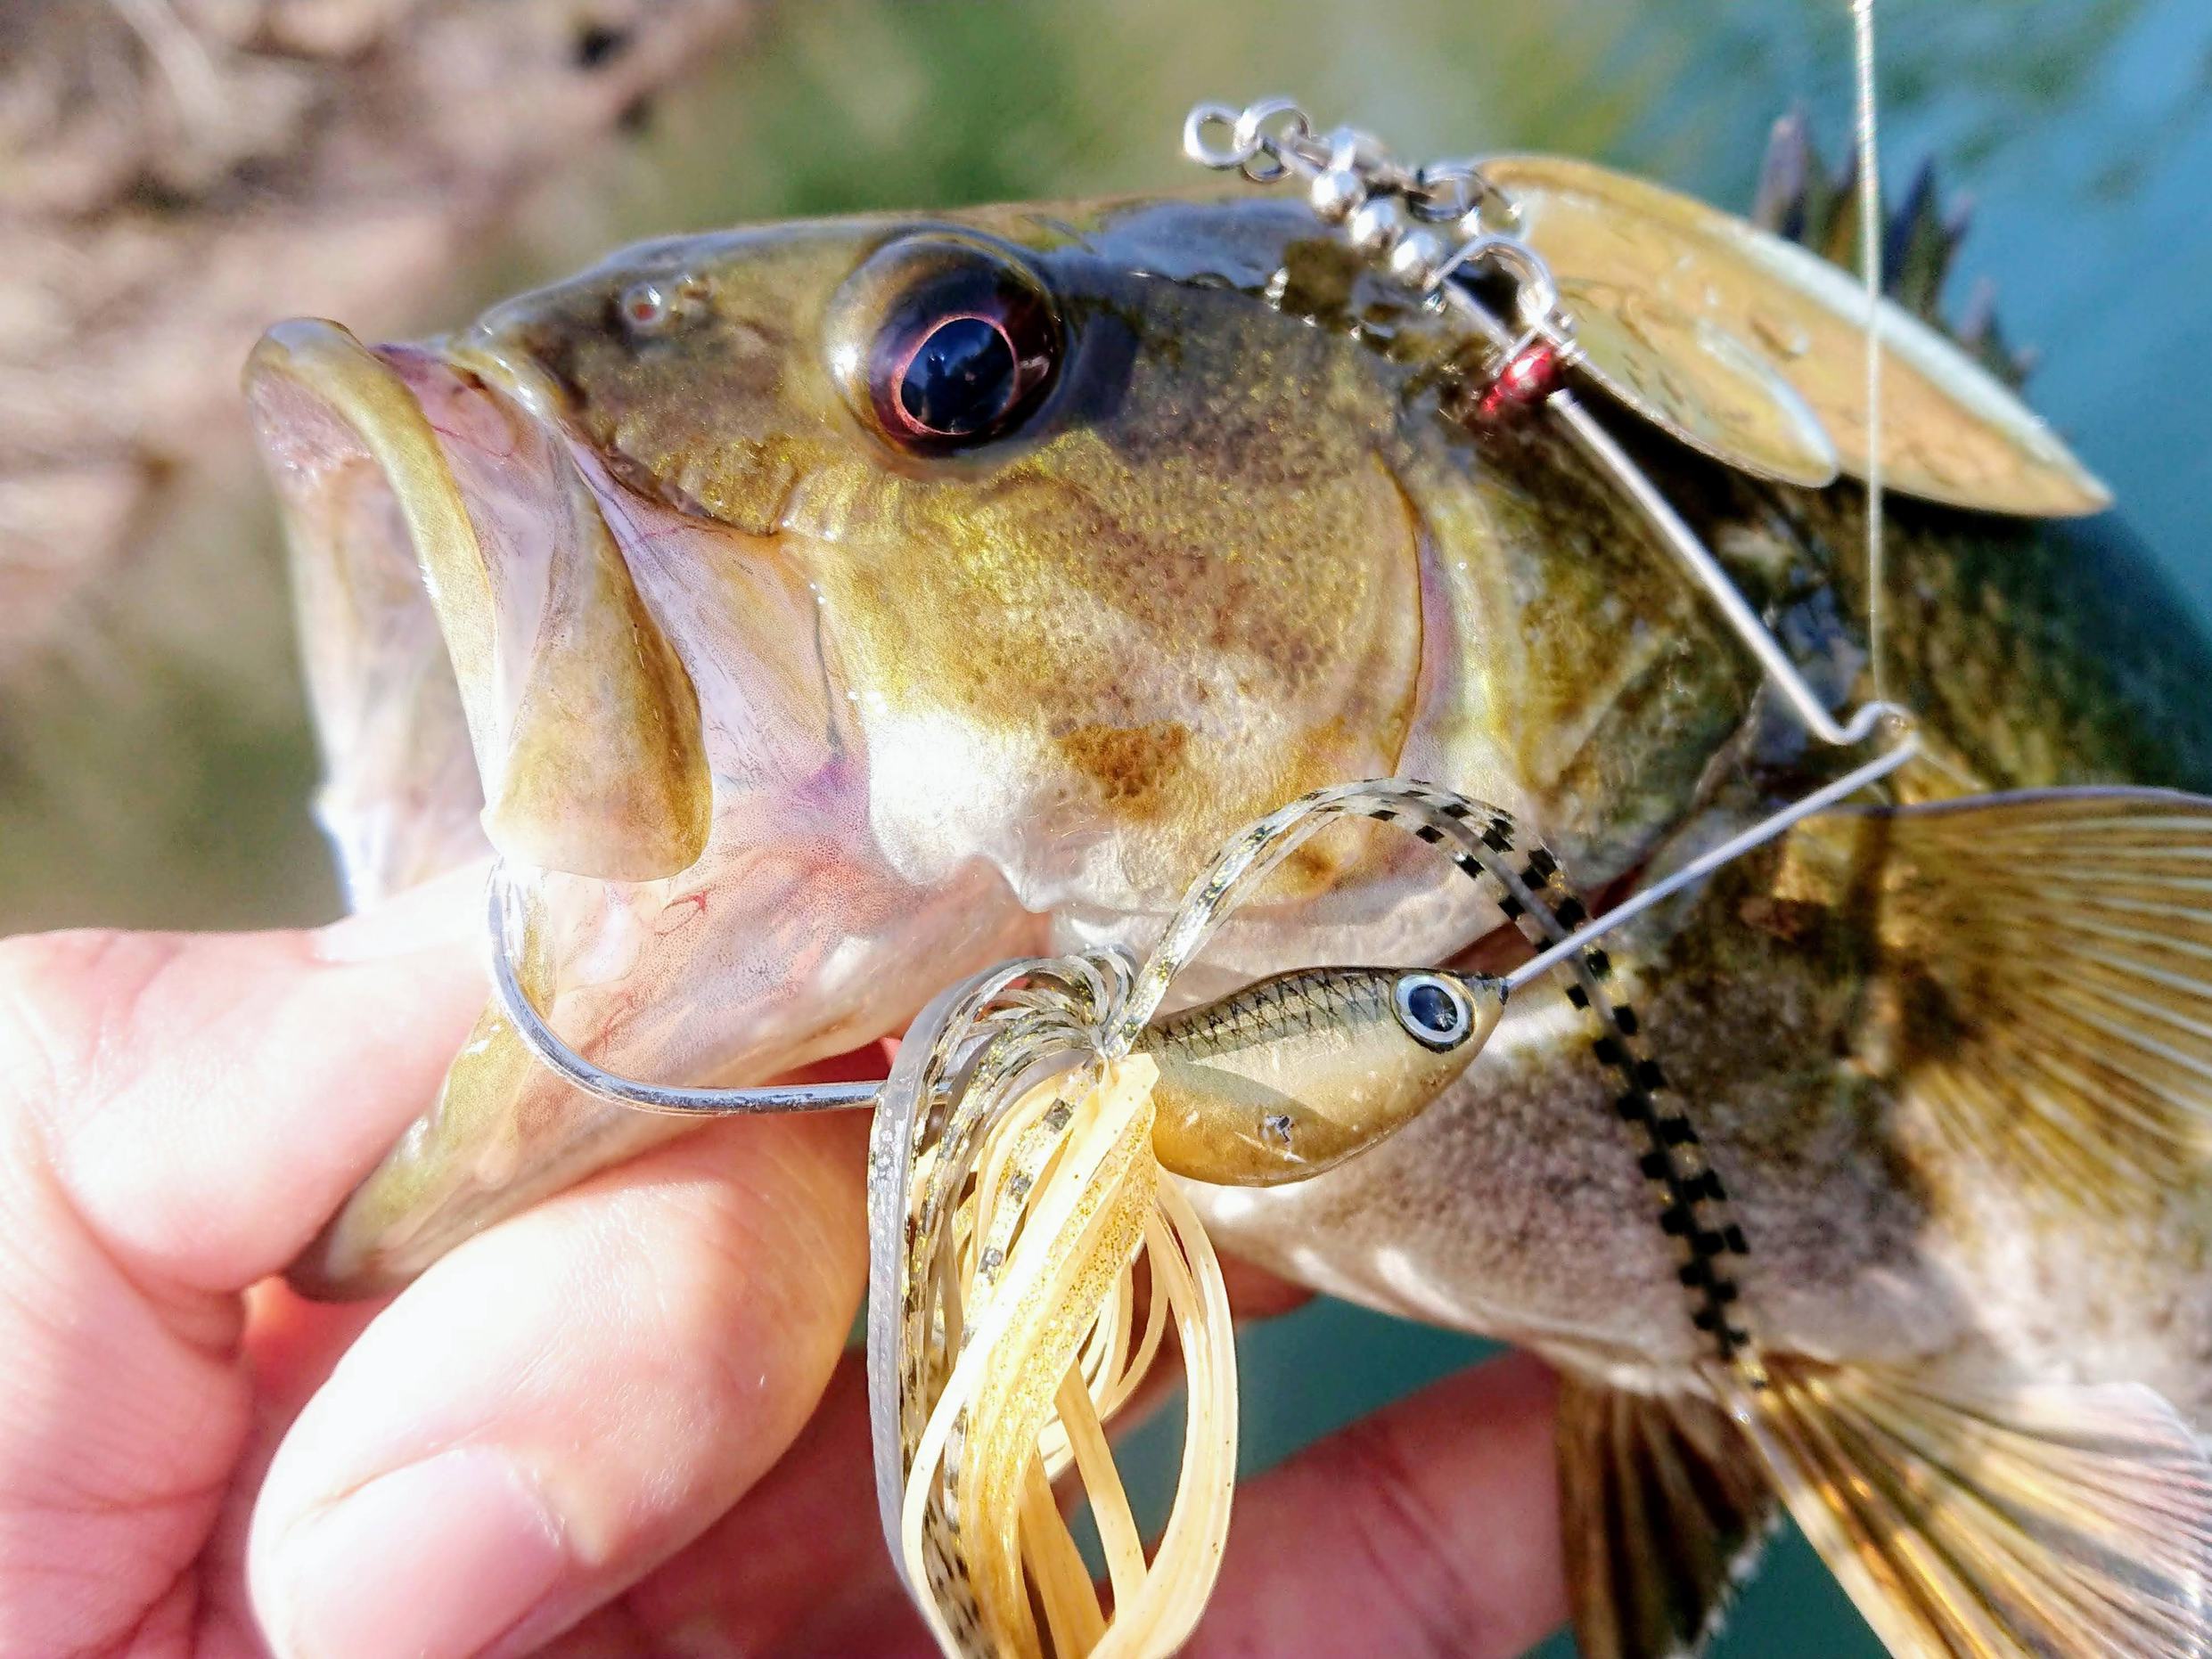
{"x": 1527, "y": 377}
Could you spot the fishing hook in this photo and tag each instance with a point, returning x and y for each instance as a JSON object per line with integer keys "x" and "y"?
{"x": 558, "y": 1057}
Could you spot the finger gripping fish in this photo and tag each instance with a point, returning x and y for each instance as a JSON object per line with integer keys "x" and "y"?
{"x": 817, "y": 616}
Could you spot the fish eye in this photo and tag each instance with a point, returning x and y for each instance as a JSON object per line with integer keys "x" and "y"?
{"x": 1434, "y": 1011}
{"x": 944, "y": 342}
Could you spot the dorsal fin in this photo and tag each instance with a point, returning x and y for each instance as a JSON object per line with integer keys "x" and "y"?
{"x": 1801, "y": 200}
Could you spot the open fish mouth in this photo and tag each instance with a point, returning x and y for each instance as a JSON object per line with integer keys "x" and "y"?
{"x": 483, "y": 667}
{"x": 507, "y": 651}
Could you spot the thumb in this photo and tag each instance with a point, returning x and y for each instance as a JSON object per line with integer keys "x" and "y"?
{"x": 176, "y": 1115}
{"x": 203, "y": 1102}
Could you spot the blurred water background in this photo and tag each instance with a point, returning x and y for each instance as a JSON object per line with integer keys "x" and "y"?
{"x": 155, "y": 767}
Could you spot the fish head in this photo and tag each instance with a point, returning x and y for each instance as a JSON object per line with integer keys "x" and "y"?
{"x": 1155, "y": 574}
{"x": 1102, "y": 555}
{"x": 806, "y": 614}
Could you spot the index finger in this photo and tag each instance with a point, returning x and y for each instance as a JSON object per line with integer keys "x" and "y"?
{"x": 1431, "y": 1526}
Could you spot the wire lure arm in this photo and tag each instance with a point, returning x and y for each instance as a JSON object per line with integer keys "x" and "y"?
{"x": 1757, "y": 836}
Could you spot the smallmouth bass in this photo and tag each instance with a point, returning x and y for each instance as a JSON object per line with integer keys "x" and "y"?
{"x": 817, "y": 614}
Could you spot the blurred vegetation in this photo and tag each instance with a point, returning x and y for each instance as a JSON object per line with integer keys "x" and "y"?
{"x": 154, "y": 765}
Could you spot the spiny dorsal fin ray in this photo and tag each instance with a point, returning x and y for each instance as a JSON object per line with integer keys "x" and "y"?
{"x": 1917, "y": 248}
{"x": 1986, "y": 1524}
{"x": 2055, "y": 952}
{"x": 1665, "y": 1506}
{"x": 1799, "y": 200}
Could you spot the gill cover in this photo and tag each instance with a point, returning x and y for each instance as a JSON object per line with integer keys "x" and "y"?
{"x": 583, "y": 719}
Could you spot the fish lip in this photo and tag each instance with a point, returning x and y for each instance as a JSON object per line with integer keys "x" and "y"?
{"x": 345, "y": 1262}
{"x": 431, "y": 496}
{"x": 364, "y": 394}
{"x": 379, "y": 532}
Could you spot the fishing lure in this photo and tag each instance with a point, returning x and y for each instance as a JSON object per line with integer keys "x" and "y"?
{"x": 1016, "y": 1191}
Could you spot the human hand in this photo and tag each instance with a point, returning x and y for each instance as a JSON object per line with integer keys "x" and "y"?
{"x": 575, "y": 1432}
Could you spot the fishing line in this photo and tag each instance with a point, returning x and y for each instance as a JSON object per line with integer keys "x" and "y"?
{"x": 1870, "y": 264}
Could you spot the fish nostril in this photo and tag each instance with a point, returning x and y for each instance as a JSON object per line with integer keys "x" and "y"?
{"x": 655, "y": 305}
{"x": 599, "y": 44}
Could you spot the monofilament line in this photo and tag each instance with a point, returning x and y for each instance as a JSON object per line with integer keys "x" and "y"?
{"x": 1870, "y": 264}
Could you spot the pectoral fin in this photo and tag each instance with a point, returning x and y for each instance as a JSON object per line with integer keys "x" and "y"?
{"x": 1665, "y": 1508}
{"x": 2053, "y": 953}
{"x": 2047, "y": 1520}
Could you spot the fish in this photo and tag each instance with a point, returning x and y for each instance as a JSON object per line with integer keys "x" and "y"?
{"x": 811, "y": 616}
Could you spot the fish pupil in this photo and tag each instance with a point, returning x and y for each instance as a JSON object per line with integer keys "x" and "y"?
{"x": 1432, "y": 1012}
{"x": 961, "y": 379}
{"x": 1430, "y": 1008}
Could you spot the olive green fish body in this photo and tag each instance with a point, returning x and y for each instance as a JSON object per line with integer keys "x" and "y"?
{"x": 1238, "y": 551}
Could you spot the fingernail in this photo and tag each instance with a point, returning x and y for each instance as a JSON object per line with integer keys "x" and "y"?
{"x": 439, "y": 1558}
{"x": 448, "y": 909}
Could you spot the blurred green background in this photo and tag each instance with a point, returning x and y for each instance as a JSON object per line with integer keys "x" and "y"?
{"x": 154, "y": 765}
